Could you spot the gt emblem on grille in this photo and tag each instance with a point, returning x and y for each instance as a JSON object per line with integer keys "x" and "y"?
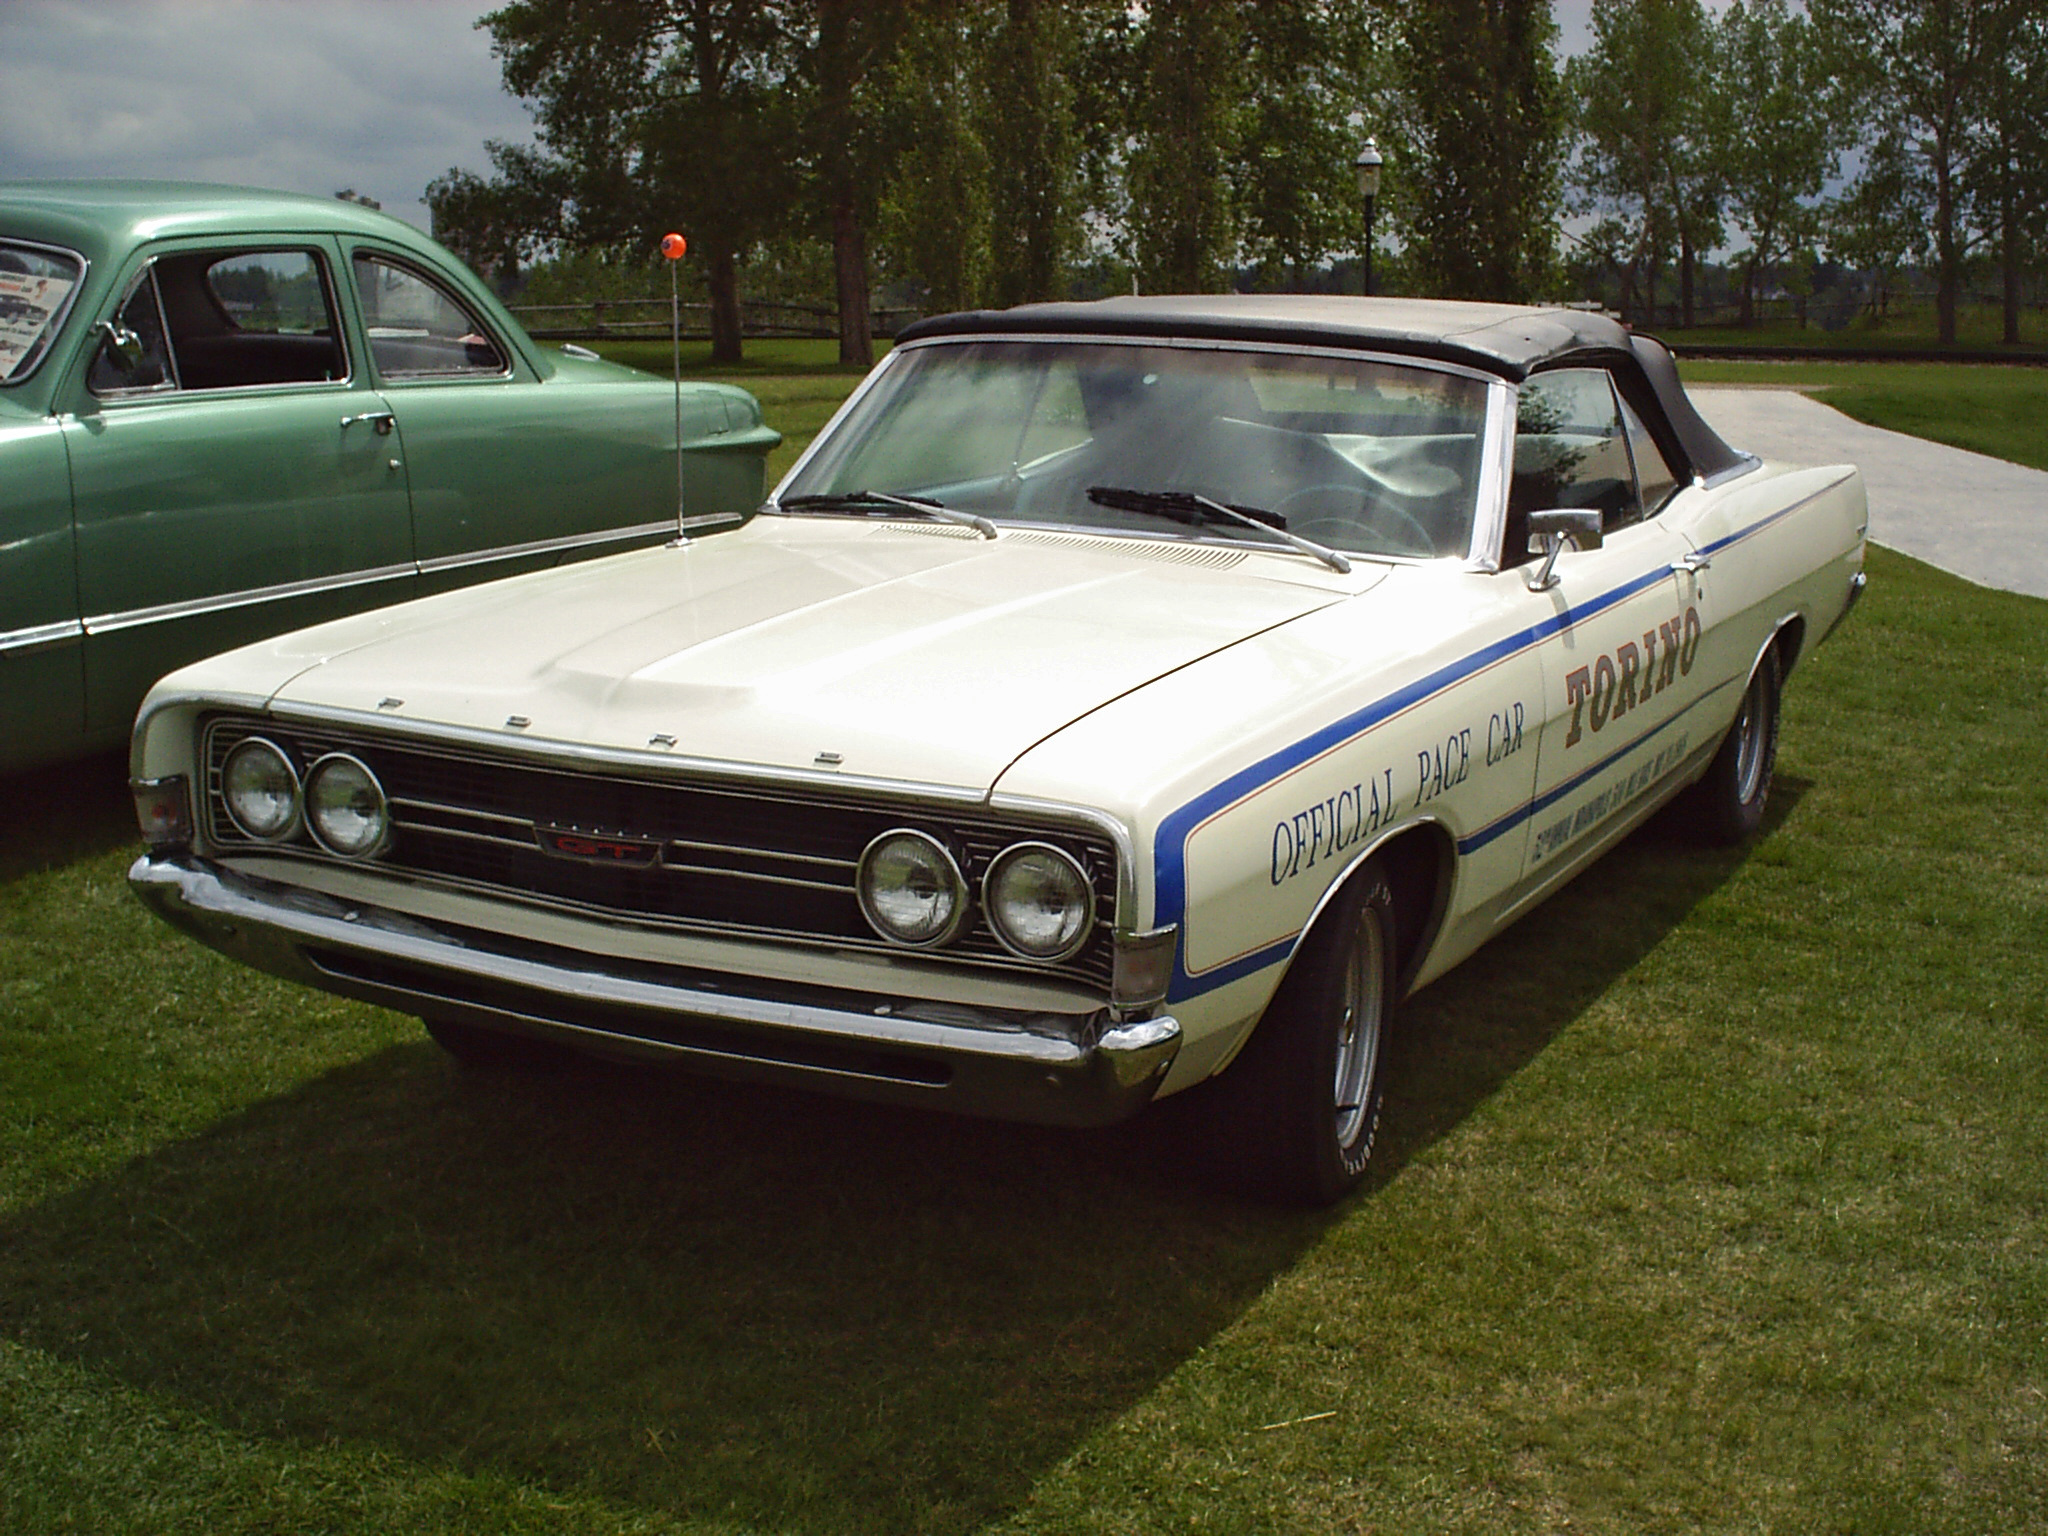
{"x": 596, "y": 848}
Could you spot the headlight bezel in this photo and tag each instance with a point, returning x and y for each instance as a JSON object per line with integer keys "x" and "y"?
{"x": 992, "y": 907}
{"x": 948, "y": 865}
{"x": 289, "y": 829}
{"x": 327, "y": 764}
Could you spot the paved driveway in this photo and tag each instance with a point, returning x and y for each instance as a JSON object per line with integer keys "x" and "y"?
{"x": 1979, "y": 517}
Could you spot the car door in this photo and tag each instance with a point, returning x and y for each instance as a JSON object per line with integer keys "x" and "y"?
{"x": 1622, "y": 623}
{"x": 233, "y": 474}
{"x": 506, "y": 472}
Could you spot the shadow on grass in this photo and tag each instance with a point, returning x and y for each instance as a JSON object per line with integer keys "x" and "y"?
{"x": 746, "y": 1303}
{"x": 63, "y": 813}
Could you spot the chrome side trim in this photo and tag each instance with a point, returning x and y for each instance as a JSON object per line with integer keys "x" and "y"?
{"x": 107, "y": 623}
{"x": 547, "y": 546}
{"x": 39, "y": 637}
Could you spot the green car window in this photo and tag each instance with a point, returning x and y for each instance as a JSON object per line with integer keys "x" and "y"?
{"x": 224, "y": 320}
{"x": 417, "y": 328}
{"x": 36, "y": 289}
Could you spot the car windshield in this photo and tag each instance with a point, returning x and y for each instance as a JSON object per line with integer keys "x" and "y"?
{"x": 1365, "y": 455}
{"x": 36, "y": 287}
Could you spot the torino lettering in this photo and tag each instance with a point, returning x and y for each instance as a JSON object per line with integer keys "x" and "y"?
{"x": 1615, "y": 684}
{"x": 1330, "y": 826}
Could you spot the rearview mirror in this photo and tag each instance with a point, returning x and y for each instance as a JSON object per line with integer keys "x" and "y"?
{"x": 1551, "y": 530}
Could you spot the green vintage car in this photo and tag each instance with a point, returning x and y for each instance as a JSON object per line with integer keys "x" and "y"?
{"x": 226, "y": 413}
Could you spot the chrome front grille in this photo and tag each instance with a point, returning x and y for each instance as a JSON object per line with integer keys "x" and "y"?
{"x": 709, "y": 857}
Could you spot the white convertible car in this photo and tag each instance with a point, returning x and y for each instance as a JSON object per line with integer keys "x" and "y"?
{"x": 1117, "y": 697}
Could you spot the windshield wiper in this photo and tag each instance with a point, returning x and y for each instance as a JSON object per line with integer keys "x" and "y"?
{"x": 1195, "y": 509}
{"x": 854, "y": 500}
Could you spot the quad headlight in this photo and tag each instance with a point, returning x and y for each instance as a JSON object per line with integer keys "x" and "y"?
{"x": 345, "y": 807}
{"x": 261, "y": 790}
{"x": 911, "y": 889}
{"x": 1038, "y": 901}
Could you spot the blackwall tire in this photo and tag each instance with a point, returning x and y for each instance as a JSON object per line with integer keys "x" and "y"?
{"x": 1727, "y": 805}
{"x": 1299, "y": 1110}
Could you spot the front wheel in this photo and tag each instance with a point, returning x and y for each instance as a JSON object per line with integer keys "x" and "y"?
{"x": 1300, "y": 1107}
{"x": 1727, "y": 805}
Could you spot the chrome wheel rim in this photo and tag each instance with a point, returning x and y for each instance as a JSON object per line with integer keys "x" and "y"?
{"x": 1359, "y": 1028}
{"x": 1749, "y": 741}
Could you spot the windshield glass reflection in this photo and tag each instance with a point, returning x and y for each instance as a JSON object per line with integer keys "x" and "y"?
{"x": 1364, "y": 455}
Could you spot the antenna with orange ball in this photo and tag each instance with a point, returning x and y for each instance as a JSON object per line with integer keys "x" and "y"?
{"x": 672, "y": 248}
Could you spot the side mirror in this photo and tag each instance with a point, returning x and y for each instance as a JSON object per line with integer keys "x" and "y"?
{"x": 1550, "y": 531}
{"x": 122, "y": 344}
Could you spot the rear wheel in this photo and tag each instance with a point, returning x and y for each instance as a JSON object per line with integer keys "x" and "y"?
{"x": 1300, "y": 1107}
{"x": 1727, "y": 805}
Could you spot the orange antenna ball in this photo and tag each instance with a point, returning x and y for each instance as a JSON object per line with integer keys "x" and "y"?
{"x": 673, "y": 246}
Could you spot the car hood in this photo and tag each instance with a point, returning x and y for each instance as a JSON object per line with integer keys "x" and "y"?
{"x": 888, "y": 650}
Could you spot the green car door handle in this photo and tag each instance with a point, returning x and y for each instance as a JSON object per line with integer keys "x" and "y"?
{"x": 384, "y": 421}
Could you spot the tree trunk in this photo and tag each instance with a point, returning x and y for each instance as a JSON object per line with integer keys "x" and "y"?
{"x": 850, "y": 275}
{"x": 2009, "y": 261}
{"x": 1947, "y": 259}
{"x": 724, "y": 282}
{"x": 1685, "y": 262}
{"x": 1749, "y": 293}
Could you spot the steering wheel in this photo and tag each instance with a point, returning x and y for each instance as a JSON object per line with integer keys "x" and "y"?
{"x": 1340, "y": 526}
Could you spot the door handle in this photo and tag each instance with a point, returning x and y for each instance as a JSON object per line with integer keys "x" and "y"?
{"x": 1692, "y": 563}
{"x": 383, "y": 421}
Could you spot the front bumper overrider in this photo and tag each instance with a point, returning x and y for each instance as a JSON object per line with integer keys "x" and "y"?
{"x": 1047, "y": 1068}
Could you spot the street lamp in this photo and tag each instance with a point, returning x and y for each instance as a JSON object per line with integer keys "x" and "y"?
{"x": 1369, "y": 163}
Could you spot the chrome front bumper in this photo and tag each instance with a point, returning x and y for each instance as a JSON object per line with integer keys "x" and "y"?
{"x": 1048, "y": 1068}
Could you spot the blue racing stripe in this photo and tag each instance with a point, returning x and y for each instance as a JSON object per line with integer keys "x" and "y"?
{"x": 1170, "y": 845}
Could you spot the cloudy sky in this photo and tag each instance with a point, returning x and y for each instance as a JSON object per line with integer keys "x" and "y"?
{"x": 305, "y": 95}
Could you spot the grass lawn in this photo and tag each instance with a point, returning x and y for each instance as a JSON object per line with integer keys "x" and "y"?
{"x": 1711, "y": 1198}
{"x": 2002, "y": 411}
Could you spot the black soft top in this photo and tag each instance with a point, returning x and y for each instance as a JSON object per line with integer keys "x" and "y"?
{"x": 1511, "y": 341}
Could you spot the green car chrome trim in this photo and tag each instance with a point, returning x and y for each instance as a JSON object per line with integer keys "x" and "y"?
{"x": 38, "y": 636}
{"x": 107, "y": 623}
{"x": 549, "y": 546}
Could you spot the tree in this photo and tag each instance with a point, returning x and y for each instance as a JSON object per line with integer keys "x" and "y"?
{"x": 1307, "y": 67}
{"x": 933, "y": 218}
{"x": 1638, "y": 105}
{"x": 1182, "y": 224}
{"x": 1879, "y": 225}
{"x": 658, "y": 113}
{"x": 1479, "y": 182}
{"x": 501, "y": 224}
{"x": 2005, "y": 174}
{"x": 1925, "y": 65}
{"x": 847, "y": 50}
{"x": 1778, "y": 126}
{"x": 1029, "y": 59}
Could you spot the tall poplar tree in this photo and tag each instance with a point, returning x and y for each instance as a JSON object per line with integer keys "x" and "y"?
{"x": 1927, "y": 65}
{"x": 1638, "y": 98}
{"x": 1485, "y": 147}
{"x": 1779, "y": 125}
{"x": 654, "y": 114}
